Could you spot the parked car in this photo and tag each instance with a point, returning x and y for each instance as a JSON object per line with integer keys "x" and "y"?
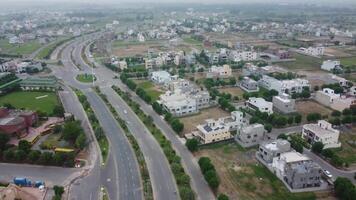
{"x": 327, "y": 173}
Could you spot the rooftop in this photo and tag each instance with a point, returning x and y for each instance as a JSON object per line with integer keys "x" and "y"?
{"x": 293, "y": 156}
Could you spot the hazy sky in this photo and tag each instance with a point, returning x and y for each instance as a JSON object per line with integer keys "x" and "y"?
{"x": 192, "y": 1}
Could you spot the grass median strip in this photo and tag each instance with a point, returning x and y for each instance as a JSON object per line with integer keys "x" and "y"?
{"x": 98, "y": 130}
{"x": 145, "y": 176}
{"x": 181, "y": 177}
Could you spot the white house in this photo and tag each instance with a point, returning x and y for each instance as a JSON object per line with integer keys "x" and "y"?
{"x": 219, "y": 71}
{"x": 179, "y": 104}
{"x": 329, "y": 65}
{"x": 313, "y": 51}
{"x": 122, "y": 64}
{"x": 328, "y": 98}
{"x": 161, "y": 77}
{"x": 237, "y": 56}
{"x": 284, "y": 86}
{"x": 260, "y": 104}
{"x": 322, "y": 132}
{"x": 284, "y": 104}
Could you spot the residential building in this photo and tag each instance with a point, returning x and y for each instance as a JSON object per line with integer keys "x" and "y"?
{"x": 268, "y": 150}
{"x": 49, "y": 83}
{"x": 330, "y": 65}
{"x": 313, "y": 51}
{"x": 16, "y": 122}
{"x": 327, "y": 97}
{"x": 297, "y": 170}
{"x": 284, "y": 86}
{"x": 160, "y": 77}
{"x": 260, "y": 104}
{"x": 250, "y": 135}
{"x": 249, "y": 85}
{"x": 219, "y": 130}
{"x": 322, "y": 132}
{"x": 237, "y": 56}
{"x": 219, "y": 71}
{"x": 283, "y": 104}
{"x": 177, "y": 103}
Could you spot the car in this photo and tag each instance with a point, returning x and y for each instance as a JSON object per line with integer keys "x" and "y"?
{"x": 327, "y": 173}
{"x": 125, "y": 111}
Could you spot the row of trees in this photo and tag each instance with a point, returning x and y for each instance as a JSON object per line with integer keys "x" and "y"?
{"x": 274, "y": 120}
{"x": 345, "y": 117}
{"x": 182, "y": 179}
{"x": 209, "y": 172}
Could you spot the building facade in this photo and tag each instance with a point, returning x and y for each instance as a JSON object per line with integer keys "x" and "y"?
{"x": 260, "y": 104}
{"x": 283, "y": 104}
{"x": 321, "y": 132}
{"x": 250, "y": 135}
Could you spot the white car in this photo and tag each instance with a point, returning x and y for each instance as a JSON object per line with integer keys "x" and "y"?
{"x": 327, "y": 173}
{"x": 125, "y": 111}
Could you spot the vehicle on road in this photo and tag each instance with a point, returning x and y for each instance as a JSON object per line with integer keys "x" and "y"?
{"x": 125, "y": 111}
{"x": 327, "y": 173}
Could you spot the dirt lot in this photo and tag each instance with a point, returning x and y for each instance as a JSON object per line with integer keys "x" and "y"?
{"x": 348, "y": 148}
{"x": 234, "y": 91}
{"x": 306, "y": 107}
{"x": 242, "y": 177}
{"x": 190, "y": 122}
{"x": 336, "y": 52}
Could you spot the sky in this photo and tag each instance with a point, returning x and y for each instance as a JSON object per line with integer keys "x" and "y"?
{"x": 190, "y": 1}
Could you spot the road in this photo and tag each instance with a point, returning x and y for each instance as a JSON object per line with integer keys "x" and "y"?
{"x": 163, "y": 182}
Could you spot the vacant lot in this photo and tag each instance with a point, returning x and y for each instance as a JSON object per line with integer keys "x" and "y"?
{"x": 350, "y": 61}
{"x": 348, "y": 148}
{"x": 37, "y": 101}
{"x": 18, "y": 49}
{"x": 234, "y": 91}
{"x": 302, "y": 62}
{"x": 152, "y": 90}
{"x": 190, "y": 122}
{"x": 242, "y": 177}
{"x": 306, "y": 107}
{"x": 336, "y": 52}
{"x": 133, "y": 48}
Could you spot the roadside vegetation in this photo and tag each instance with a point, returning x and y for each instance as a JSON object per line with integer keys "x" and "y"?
{"x": 86, "y": 78}
{"x": 46, "y": 52}
{"x": 181, "y": 177}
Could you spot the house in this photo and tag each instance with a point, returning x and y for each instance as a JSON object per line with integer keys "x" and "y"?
{"x": 219, "y": 130}
{"x": 282, "y": 54}
{"x": 313, "y": 51}
{"x": 49, "y": 83}
{"x": 330, "y": 65}
{"x": 178, "y": 104}
{"x": 297, "y": 170}
{"x": 327, "y": 97}
{"x": 122, "y": 65}
{"x": 259, "y": 104}
{"x": 340, "y": 80}
{"x": 160, "y": 77}
{"x": 321, "y": 132}
{"x": 16, "y": 122}
{"x": 283, "y": 104}
{"x": 249, "y": 85}
{"x": 268, "y": 150}
{"x": 219, "y": 71}
{"x": 237, "y": 56}
{"x": 250, "y": 135}
{"x": 284, "y": 86}
{"x": 250, "y": 69}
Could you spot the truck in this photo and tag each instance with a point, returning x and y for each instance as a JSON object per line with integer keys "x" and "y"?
{"x": 24, "y": 182}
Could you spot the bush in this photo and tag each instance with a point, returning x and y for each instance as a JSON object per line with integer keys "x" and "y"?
{"x": 192, "y": 144}
{"x": 317, "y": 147}
{"x": 313, "y": 117}
{"x": 344, "y": 189}
{"x": 209, "y": 172}
{"x": 223, "y": 197}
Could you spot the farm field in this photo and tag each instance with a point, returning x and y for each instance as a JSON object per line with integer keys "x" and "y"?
{"x": 37, "y": 101}
{"x": 18, "y": 49}
{"x": 242, "y": 177}
{"x": 190, "y": 122}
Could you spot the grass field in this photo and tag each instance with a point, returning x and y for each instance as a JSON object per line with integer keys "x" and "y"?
{"x": 302, "y": 62}
{"x": 348, "y": 61}
{"x": 18, "y": 49}
{"x": 153, "y": 91}
{"x": 347, "y": 152}
{"x": 85, "y": 78}
{"x": 190, "y": 40}
{"x": 242, "y": 177}
{"x": 42, "y": 101}
{"x": 234, "y": 91}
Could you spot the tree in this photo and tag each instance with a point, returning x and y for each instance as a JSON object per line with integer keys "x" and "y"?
{"x": 58, "y": 190}
{"x": 177, "y": 126}
{"x": 223, "y": 197}
{"x": 317, "y": 147}
{"x": 186, "y": 193}
{"x": 4, "y": 139}
{"x": 344, "y": 189}
{"x": 205, "y": 164}
{"x": 290, "y": 120}
{"x": 9, "y": 155}
{"x": 282, "y": 136}
{"x": 24, "y": 145}
{"x": 57, "y": 128}
{"x": 192, "y": 144}
{"x": 81, "y": 141}
{"x": 268, "y": 127}
{"x": 46, "y": 158}
{"x": 58, "y": 111}
{"x": 336, "y": 160}
{"x": 347, "y": 111}
{"x": 212, "y": 179}
{"x": 298, "y": 118}
{"x": 72, "y": 130}
{"x": 9, "y": 106}
{"x": 312, "y": 117}
{"x": 20, "y": 155}
{"x": 327, "y": 153}
{"x": 33, "y": 156}
{"x": 336, "y": 113}
{"x": 157, "y": 107}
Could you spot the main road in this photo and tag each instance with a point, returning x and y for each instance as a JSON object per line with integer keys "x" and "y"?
{"x": 162, "y": 179}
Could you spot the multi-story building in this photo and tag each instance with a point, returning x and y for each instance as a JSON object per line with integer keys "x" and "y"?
{"x": 219, "y": 71}
{"x": 237, "y": 56}
{"x": 329, "y": 65}
{"x": 327, "y": 97}
{"x": 284, "y": 86}
{"x": 283, "y": 104}
{"x": 321, "y": 132}
{"x": 268, "y": 150}
{"x": 160, "y": 77}
{"x": 260, "y": 104}
{"x": 250, "y": 135}
{"x": 179, "y": 104}
{"x": 249, "y": 85}
{"x": 313, "y": 51}
{"x": 297, "y": 170}
{"x": 218, "y": 130}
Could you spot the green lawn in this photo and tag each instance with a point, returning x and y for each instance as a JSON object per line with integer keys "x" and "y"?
{"x": 302, "y": 62}
{"x": 149, "y": 87}
{"x": 19, "y": 49}
{"x": 85, "y": 78}
{"x": 348, "y": 61}
{"x": 41, "y": 101}
{"x": 190, "y": 40}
